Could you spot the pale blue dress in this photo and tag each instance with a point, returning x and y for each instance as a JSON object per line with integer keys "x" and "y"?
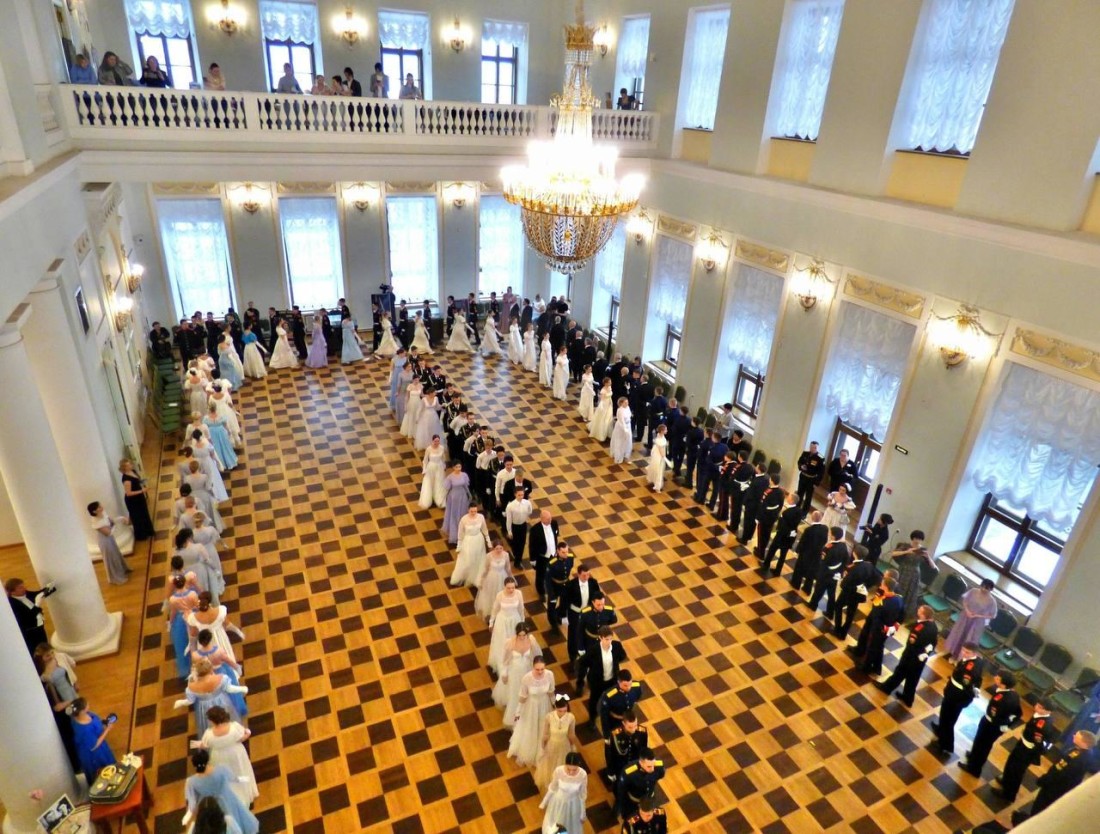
{"x": 350, "y": 351}
{"x": 227, "y": 365}
{"x": 218, "y": 784}
{"x": 219, "y": 437}
{"x": 395, "y": 379}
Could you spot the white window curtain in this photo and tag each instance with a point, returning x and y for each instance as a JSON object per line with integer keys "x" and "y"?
{"x": 1040, "y": 446}
{"x": 609, "y": 262}
{"x": 500, "y": 246}
{"x": 866, "y": 367}
{"x": 633, "y": 47}
{"x": 756, "y": 299}
{"x": 807, "y": 63}
{"x": 171, "y": 18}
{"x": 282, "y": 20}
{"x": 311, "y": 243}
{"x": 196, "y": 253}
{"x": 707, "y": 44}
{"x": 671, "y": 279}
{"x": 403, "y": 30}
{"x": 953, "y": 70}
{"x": 505, "y": 33}
{"x": 413, "y": 229}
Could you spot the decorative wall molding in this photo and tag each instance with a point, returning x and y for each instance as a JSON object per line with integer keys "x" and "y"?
{"x": 103, "y": 201}
{"x": 212, "y": 189}
{"x": 774, "y": 259}
{"x": 411, "y": 187}
{"x": 883, "y": 295}
{"x": 1074, "y": 359}
{"x": 677, "y": 228}
{"x": 82, "y": 246}
{"x": 306, "y": 188}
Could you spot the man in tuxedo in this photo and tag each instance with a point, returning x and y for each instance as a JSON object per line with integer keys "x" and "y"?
{"x": 504, "y": 476}
{"x": 557, "y": 335}
{"x": 182, "y": 340}
{"x": 599, "y": 369}
{"x": 196, "y": 338}
{"x": 213, "y": 335}
{"x": 785, "y": 530}
{"x": 834, "y": 561}
{"x": 252, "y": 316}
{"x": 574, "y": 350}
{"x": 751, "y": 506}
{"x": 592, "y": 619}
{"x": 404, "y": 326}
{"x": 640, "y": 396}
{"x": 658, "y": 411}
{"x": 542, "y": 541}
{"x": 860, "y": 577}
{"x": 679, "y": 421}
{"x": 620, "y": 386}
{"x": 809, "y": 548}
{"x": 578, "y": 593}
{"x": 588, "y": 356}
{"x": 515, "y": 486}
{"x": 811, "y": 468}
{"x": 841, "y": 471}
{"x": 272, "y": 323}
{"x": 471, "y": 318}
{"x": 494, "y": 307}
{"x": 26, "y": 605}
{"x": 426, "y": 315}
{"x": 451, "y": 309}
{"x": 600, "y": 667}
{"x": 517, "y": 512}
{"x": 693, "y": 439}
{"x": 526, "y": 315}
{"x": 298, "y": 328}
{"x": 875, "y": 536}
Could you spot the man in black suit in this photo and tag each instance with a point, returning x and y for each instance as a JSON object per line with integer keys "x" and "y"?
{"x": 771, "y": 505}
{"x": 841, "y": 471}
{"x": 742, "y": 479}
{"x": 252, "y": 316}
{"x": 708, "y": 480}
{"x": 861, "y": 574}
{"x": 1001, "y": 714}
{"x": 640, "y": 396}
{"x": 751, "y": 506}
{"x": 515, "y": 486}
{"x": 875, "y": 536}
{"x": 272, "y": 323}
{"x": 298, "y": 328}
{"x": 26, "y": 605}
{"x": 450, "y": 314}
{"x": 593, "y": 618}
{"x": 542, "y": 543}
{"x": 809, "y": 549}
{"x": 737, "y": 442}
{"x": 557, "y": 335}
{"x": 404, "y": 326}
{"x": 785, "y": 530}
{"x": 213, "y": 335}
{"x": 679, "y": 421}
{"x": 599, "y": 369}
{"x": 620, "y": 386}
{"x": 601, "y": 666}
{"x": 834, "y": 561}
{"x": 575, "y": 350}
{"x": 658, "y": 411}
{"x": 811, "y": 468}
{"x": 578, "y": 593}
{"x": 693, "y": 439}
{"x": 160, "y": 341}
{"x": 526, "y": 315}
{"x": 182, "y": 340}
{"x": 919, "y": 646}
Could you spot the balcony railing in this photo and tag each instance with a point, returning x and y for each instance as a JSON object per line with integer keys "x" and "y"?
{"x": 116, "y": 116}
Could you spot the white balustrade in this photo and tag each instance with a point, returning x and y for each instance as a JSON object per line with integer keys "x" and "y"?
{"x": 443, "y": 118}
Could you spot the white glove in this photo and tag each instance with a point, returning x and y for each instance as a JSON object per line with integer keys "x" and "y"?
{"x": 891, "y": 631}
{"x": 931, "y": 647}
{"x": 182, "y": 702}
{"x": 1005, "y": 728}
{"x": 922, "y": 657}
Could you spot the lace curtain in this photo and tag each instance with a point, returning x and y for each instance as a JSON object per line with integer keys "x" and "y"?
{"x": 504, "y": 32}
{"x": 500, "y": 246}
{"x": 414, "y": 247}
{"x": 171, "y": 18}
{"x": 196, "y": 253}
{"x": 311, "y": 241}
{"x": 634, "y": 47}
{"x": 672, "y": 276}
{"x": 1041, "y": 445}
{"x": 756, "y": 299}
{"x": 283, "y": 20}
{"x": 708, "y": 50}
{"x": 403, "y": 30}
{"x": 808, "y": 61}
{"x": 866, "y": 368}
{"x": 609, "y": 263}
{"x": 954, "y": 70}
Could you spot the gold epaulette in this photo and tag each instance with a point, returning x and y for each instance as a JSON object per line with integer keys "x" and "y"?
{"x": 658, "y": 763}
{"x": 630, "y": 769}
{"x": 635, "y": 683}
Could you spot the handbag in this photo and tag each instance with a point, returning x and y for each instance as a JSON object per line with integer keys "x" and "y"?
{"x": 113, "y": 784}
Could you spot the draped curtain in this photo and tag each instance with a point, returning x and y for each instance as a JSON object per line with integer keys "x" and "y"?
{"x": 756, "y": 299}
{"x": 311, "y": 241}
{"x": 283, "y": 20}
{"x": 808, "y": 62}
{"x": 609, "y": 263}
{"x": 634, "y": 47}
{"x": 1041, "y": 445}
{"x": 954, "y": 67}
{"x": 171, "y": 18}
{"x": 708, "y": 50}
{"x": 403, "y": 30}
{"x": 672, "y": 276}
{"x": 866, "y": 368}
{"x": 414, "y": 247}
{"x": 504, "y": 32}
{"x": 501, "y": 246}
{"x": 196, "y": 253}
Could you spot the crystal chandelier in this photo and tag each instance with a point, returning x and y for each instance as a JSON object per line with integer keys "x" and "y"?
{"x": 567, "y": 192}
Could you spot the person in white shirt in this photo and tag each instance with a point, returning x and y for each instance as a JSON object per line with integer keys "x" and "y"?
{"x": 503, "y": 476}
{"x": 578, "y": 593}
{"x": 544, "y": 544}
{"x": 516, "y": 516}
{"x": 288, "y": 83}
{"x": 540, "y": 305}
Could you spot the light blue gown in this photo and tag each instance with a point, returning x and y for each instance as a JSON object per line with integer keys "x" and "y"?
{"x": 239, "y": 703}
{"x": 219, "y": 438}
{"x": 350, "y": 351}
{"x": 395, "y": 378}
{"x": 218, "y": 784}
{"x": 228, "y": 368}
{"x": 202, "y": 701}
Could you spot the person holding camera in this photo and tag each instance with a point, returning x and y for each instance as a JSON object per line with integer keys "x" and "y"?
{"x": 90, "y": 735}
{"x": 27, "y": 607}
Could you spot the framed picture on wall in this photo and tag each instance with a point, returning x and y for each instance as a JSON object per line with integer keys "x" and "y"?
{"x": 82, "y": 309}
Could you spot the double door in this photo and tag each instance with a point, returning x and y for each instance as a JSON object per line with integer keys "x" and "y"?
{"x": 864, "y": 450}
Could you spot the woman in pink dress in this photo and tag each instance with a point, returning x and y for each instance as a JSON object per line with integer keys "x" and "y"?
{"x": 318, "y": 348}
{"x": 457, "y": 504}
{"x": 978, "y": 608}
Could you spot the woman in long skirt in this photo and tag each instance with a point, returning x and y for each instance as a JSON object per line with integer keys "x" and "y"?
{"x": 473, "y": 543}
{"x": 655, "y": 472}
{"x": 456, "y": 487}
{"x": 222, "y": 400}
{"x": 283, "y": 356}
{"x": 254, "y": 353}
{"x": 206, "y": 648}
{"x": 195, "y": 387}
{"x": 413, "y": 403}
{"x": 351, "y": 349}
{"x": 117, "y": 569}
{"x": 215, "y": 619}
{"x": 216, "y": 783}
{"x": 498, "y": 567}
{"x": 599, "y": 427}
{"x": 837, "y": 507}
{"x": 506, "y": 615}
{"x": 387, "y": 346}
{"x": 219, "y": 437}
{"x": 206, "y": 536}
{"x": 401, "y": 399}
{"x": 530, "y": 352}
{"x": 459, "y": 340}
{"x": 432, "y": 491}
{"x": 588, "y": 394}
{"x": 224, "y": 741}
{"x": 536, "y": 692}
{"x": 421, "y": 341}
{"x": 978, "y": 608}
{"x": 428, "y": 424}
{"x": 546, "y": 362}
{"x": 909, "y": 560}
{"x": 229, "y": 365}
{"x": 516, "y": 661}
{"x": 622, "y": 435}
{"x": 137, "y": 508}
{"x": 490, "y": 339}
{"x": 181, "y": 601}
{"x": 566, "y": 798}
{"x": 515, "y": 343}
{"x": 561, "y": 375}
{"x": 559, "y": 739}
{"x": 318, "y": 347}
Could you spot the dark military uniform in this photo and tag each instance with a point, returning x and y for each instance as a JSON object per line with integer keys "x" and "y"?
{"x": 770, "y": 507}
{"x": 588, "y": 632}
{"x": 1038, "y": 737}
{"x": 920, "y": 644}
{"x": 1002, "y": 712}
{"x": 751, "y": 505}
{"x": 785, "y": 532}
{"x": 635, "y": 785}
{"x": 614, "y": 703}
{"x": 958, "y": 692}
{"x": 811, "y": 467}
{"x": 557, "y": 577}
{"x": 742, "y": 476}
{"x": 1062, "y": 777}
{"x": 657, "y": 824}
{"x": 624, "y": 748}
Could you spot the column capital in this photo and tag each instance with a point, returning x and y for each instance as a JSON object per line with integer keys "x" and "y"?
{"x": 11, "y": 331}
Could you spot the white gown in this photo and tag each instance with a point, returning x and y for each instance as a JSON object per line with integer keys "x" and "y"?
{"x": 460, "y": 339}
{"x": 387, "y": 345}
{"x": 565, "y": 802}
{"x": 493, "y": 583}
{"x": 530, "y": 352}
{"x": 599, "y": 427}
{"x": 512, "y": 669}
{"x": 515, "y": 344}
{"x": 527, "y": 731}
{"x": 546, "y": 364}
{"x": 561, "y": 377}
{"x": 228, "y": 413}
{"x": 420, "y": 337}
{"x": 490, "y": 345}
{"x": 435, "y": 469}
{"x": 217, "y": 627}
{"x": 622, "y": 436}
{"x": 197, "y": 394}
{"x": 427, "y": 423}
{"x": 254, "y": 367}
{"x": 655, "y": 472}
{"x": 473, "y": 543}
{"x": 413, "y": 404}
{"x": 509, "y": 614}
{"x": 588, "y": 397}
{"x": 283, "y": 356}
{"x": 228, "y": 751}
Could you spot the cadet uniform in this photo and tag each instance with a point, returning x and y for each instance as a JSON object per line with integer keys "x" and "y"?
{"x": 958, "y": 692}
{"x": 1037, "y": 738}
{"x": 613, "y": 704}
{"x": 588, "y": 630}
{"x": 624, "y": 748}
{"x": 1061, "y": 777}
{"x": 742, "y": 477}
{"x": 557, "y": 577}
{"x": 1002, "y": 712}
{"x": 920, "y": 644}
{"x": 770, "y": 507}
{"x": 635, "y": 785}
{"x": 657, "y": 824}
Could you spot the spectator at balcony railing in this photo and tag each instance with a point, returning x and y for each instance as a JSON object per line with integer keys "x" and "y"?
{"x": 355, "y": 89}
{"x": 626, "y": 101}
{"x": 379, "y": 83}
{"x": 320, "y": 88}
{"x": 288, "y": 83}
{"x": 81, "y": 72}
{"x": 114, "y": 71}
{"x": 214, "y": 80}
{"x": 153, "y": 75}
{"x": 409, "y": 90}
{"x": 338, "y": 88}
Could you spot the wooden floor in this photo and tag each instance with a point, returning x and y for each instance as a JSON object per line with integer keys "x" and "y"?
{"x": 369, "y": 696}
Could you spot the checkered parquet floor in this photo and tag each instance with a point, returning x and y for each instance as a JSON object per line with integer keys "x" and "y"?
{"x": 369, "y": 695}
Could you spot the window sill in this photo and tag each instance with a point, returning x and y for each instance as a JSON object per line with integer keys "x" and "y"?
{"x": 794, "y": 139}
{"x": 1017, "y": 597}
{"x": 662, "y": 370}
{"x": 941, "y": 154}
{"x": 700, "y": 129}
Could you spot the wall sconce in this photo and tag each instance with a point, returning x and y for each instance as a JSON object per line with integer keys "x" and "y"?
{"x": 124, "y": 313}
{"x": 361, "y": 195}
{"x": 249, "y": 202}
{"x": 960, "y": 337}
{"x": 134, "y": 277}
{"x": 460, "y": 193}
{"x": 457, "y": 36}
{"x": 812, "y": 283}
{"x": 711, "y": 251}
{"x": 639, "y": 225}
{"x": 350, "y": 27}
{"x": 230, "y": 19}
{"x": 602, "y": 40}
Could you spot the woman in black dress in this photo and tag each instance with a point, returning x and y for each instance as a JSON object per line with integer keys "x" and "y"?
{"x": 136, "y": 507}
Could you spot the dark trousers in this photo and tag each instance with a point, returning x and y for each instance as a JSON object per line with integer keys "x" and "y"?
{"x": 805, "y": 493}
{"x": 555, "y": 602}
{"x": 637, "y": 422}
{"x": 764, "y": 527}
{"x": 824, "y": 586}
{"x": 540, "y": 576}
{"x": 692, "y": 461}
{"x": 1019, "y": 760}
{"x": 737, "y": 504}
{"x": 597, "y": 686}
{"x": 780, "y": 545}
{"x": 714, "y": 484}
{"x": 876, "y": 648}
{"x": 519, "y": 542}
{"x": 748, "y": 523}
{"x": 676, "y": 451}
{"x": 908, "y": 672}
{"x": 300, "y": 343}
{"x": 571, "y": 634}
{"x": 955, "y": 700}
{"x": 847, "y": 604}
{"x": 703, "y": 480}
{"x": 805, "y": 569}
{"x": 724, "y": 502}
{"x": 984, "y": 739}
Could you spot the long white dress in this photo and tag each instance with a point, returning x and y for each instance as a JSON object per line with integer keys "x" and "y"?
{"x": 530, "y": 352}
{"x": 227, "y": 750}
{"x": 459, "y": 340}
{"x": 622, "y": 436}
{"x": 413, "y": 403}
{"x": 387, "y": 345}
{"x": 565, "y": 801}
{"x": 427, "y": 422}
{"x": 558, "y": 746}
{"x": 196, "y": 389}
{"x": 254, "y": 367}
{"x": 420, "y": 337}
{"x": 513, "y": 667}
{"x": 599, "y": 427}
{"x": 533, "y": 706}
{"x": 435, "y": 466}
{"x": 283, "y": 356}
{"x": 836, "y": 510}
{"x": 588, "y": 396}
{"x": 561, "y": 377}
{"x": 507, "y": 613}
{"x": 546, "y": 363}
{"x": 473, "y": 542}
{"x": 490, "y": 345}
{"x": 217, "y": 628}
{"x": 655, "y": 472}
{"x": 497, "y": 562}
{"x": 515, "y": 344}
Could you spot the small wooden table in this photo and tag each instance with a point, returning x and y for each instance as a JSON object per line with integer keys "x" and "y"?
{"x": 135, "y": 807}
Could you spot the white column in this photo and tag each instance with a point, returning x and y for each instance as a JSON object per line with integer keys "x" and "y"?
{"x": 1076, "y": 811}
{"x": 32, "y": 756}
{"x": 54, "y": 537}
{"x": 63, "y": 387}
